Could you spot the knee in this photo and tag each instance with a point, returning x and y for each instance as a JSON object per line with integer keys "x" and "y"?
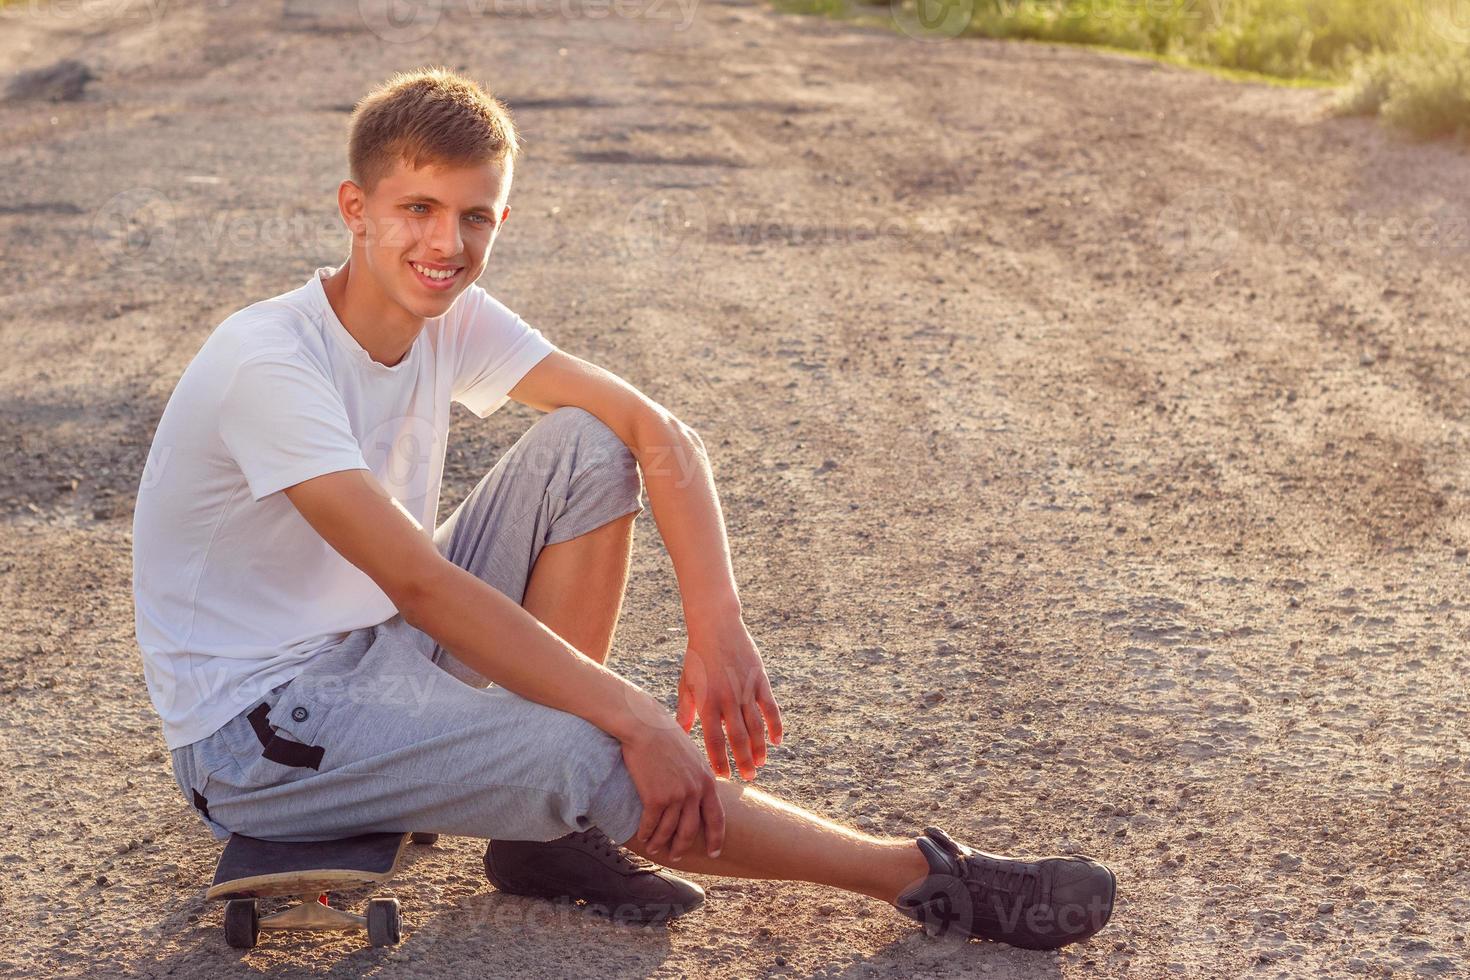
{"x": 591, "y": 446}
{"x": 572, "y": 425}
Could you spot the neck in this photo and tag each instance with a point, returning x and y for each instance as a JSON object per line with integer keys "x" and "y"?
{"x": 383, "y": 328}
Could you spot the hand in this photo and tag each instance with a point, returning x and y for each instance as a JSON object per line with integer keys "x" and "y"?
{"x": 725, "y": 681}
{"x": 677, "y": 791}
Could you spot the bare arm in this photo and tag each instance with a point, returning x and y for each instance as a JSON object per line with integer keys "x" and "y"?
{"x": 491, "y": 634}
{"x": 477, "y": 623}
{"x": 724, "y": 680}
{"x": 676, "y": 473}
{"x": 502, "y": 641}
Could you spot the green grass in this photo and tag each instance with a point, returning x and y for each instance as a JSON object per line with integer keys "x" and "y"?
{"x": 1406, "y": 60}
{"x": 1423, "y": 89}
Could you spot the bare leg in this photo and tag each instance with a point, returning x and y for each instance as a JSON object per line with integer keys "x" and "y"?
{"x": 768, "y": 838}
{"x": 576, "y": 586}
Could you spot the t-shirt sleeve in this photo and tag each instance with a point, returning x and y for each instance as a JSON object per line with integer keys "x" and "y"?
{"x": 283, "y": 422}
{"x": 494, "y": 348}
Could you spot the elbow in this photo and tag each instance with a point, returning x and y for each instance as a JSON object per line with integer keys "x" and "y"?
{"x": 662, "y": 431}
{"x": 690, "y": 436}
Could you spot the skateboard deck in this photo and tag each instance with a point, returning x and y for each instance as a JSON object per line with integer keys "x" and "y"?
{"x": 254, "y": 868}
{"x": 251, "y": 869}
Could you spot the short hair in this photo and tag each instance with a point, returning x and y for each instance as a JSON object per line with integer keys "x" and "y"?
{"x": 428, "y": 116}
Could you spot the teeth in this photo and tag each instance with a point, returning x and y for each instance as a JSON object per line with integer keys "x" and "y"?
{"x": 435, "y": 273}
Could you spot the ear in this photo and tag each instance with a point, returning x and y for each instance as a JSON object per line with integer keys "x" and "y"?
{"x": 505, "y": 214}
{"x": 352, "y": 203}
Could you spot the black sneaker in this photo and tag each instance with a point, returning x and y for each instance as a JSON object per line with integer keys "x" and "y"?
{"x": 587, "y": 866}
{"x": 1039, "y": 904}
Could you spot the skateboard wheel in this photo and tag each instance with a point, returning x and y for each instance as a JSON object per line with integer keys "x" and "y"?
{"x": 242, "y": 923}
{"x": 383, "y": 924}
{"x": 425, "y": 839}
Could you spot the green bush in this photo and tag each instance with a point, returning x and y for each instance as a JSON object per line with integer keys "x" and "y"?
{"x": 1422, "y": 82}
{"x": 1284, "y": 38}
{"x": 1408, "y": 60}
{"x": 1424, "y": 93}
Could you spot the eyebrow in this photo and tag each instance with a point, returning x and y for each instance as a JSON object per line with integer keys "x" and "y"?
{"x": 426, "y": 199}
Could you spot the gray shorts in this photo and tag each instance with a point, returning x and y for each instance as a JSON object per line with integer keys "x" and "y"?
{"x": 388, "y": 732}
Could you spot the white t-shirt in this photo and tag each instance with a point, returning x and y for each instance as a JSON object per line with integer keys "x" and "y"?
{"x": 233, "y": 591}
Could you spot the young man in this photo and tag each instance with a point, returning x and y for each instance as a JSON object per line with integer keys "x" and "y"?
{"x": 326, "y": 665}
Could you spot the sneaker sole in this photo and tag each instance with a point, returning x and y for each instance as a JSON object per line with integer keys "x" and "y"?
{"x": 630, "y": 912}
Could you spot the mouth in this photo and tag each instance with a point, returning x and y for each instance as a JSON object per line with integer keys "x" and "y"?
{"x": 436, "y": 277}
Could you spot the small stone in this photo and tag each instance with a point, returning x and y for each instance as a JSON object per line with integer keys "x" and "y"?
{"x": 63, "y": 81}
{"x": 1325, "y": 908}
{"x": 865, "y": 822}
{"x": 780, "y": 960}
{"x": 933, "y": 697}
{"x": 1288, "y": 861}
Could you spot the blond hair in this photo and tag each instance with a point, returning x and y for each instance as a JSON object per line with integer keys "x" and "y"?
{"x": 428, "y": 116}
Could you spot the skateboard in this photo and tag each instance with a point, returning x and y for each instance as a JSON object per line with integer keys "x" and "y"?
{"x": 251, "y": 869}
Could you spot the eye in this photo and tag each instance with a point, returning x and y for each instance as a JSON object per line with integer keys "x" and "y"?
{"x": 412, "y": 206}
{"x": 478, "y": 219}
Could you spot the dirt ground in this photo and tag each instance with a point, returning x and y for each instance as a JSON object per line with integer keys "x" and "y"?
{"x": 1092, "y": 438}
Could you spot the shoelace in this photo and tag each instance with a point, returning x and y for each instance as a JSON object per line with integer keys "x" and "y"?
{"x": 603, "y": 845}
{"x": 994, "y": 876}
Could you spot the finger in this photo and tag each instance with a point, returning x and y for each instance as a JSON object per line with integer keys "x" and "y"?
{"x": 772, "y": 711}
{"x": 739, "y": 742}
{"x": 684, "y": 713}
{"x": 714, "y": 745}
{"x": 668, "y": 822}
{"x": 648, "y": 823}
{"x": 688, "y": 828}
{"x": 714, "y": 822}
{"x": 757, "y": 730}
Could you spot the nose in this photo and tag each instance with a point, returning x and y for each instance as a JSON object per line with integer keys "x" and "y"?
{"x": 445, "y": 238}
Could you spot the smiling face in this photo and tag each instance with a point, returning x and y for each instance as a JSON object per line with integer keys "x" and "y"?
{"x": 423, "y": 235}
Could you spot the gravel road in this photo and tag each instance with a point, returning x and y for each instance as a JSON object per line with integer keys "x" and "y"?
{"x": 1092, "y": 437}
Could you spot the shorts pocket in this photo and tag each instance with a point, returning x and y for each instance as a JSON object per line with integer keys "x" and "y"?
{"x": 290, "y": 731}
